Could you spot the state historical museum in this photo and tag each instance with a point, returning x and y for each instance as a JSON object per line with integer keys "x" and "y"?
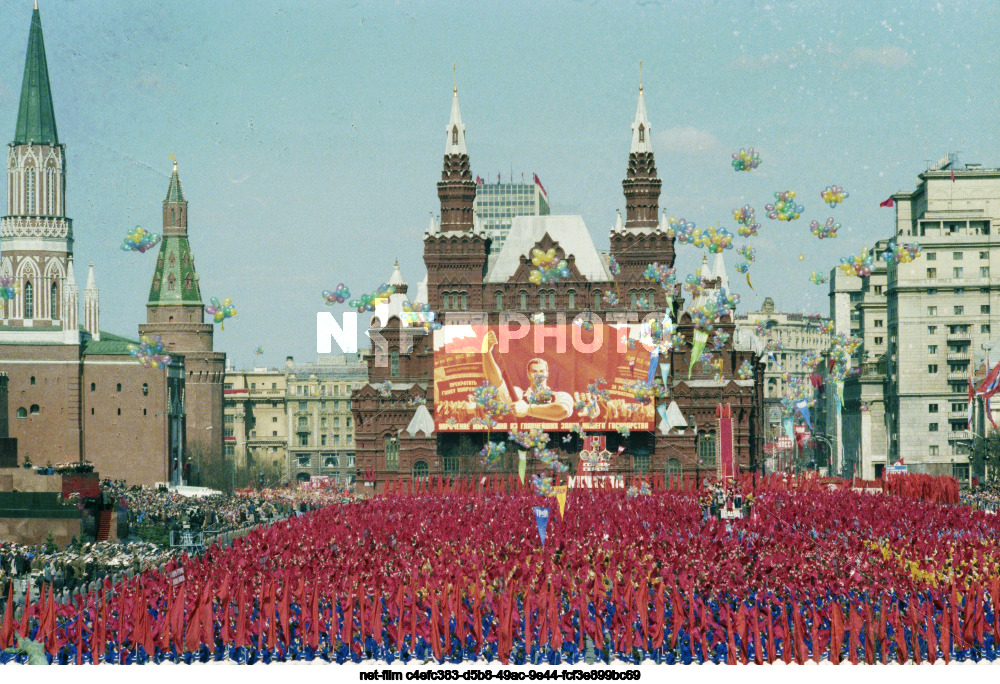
{"x": 400, "y": 432}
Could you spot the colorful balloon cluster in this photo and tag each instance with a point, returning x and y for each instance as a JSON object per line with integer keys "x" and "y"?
{"x": 748, "y": 253}
{"x": 720, "y": 340}
{"x": 696, "y": 285}
{"x": 706, "y": 315}
{"x": 665, "y": 277}
{"x": 588, "y": 405}
{"x": 337, "y": 296}
{"x": 717, "y": 365}
{"x": 542, "y": 485}
{"x": 492, "y": 454}
{"x": 489, "y": 399}
{"x": 746, "y": 160}
{"x": 591, "y": 458}
{"x": 824, "y": 230}
{"x": 902, "y": 253}
{"x": 259, "y": 351}
{"x": 550, "y": 460}
{"x": 643, "y": 393}
{"x": 221, "y": 310}
{"x": 662, "y": 335}
{"x": 726, "y": 300}
{"x": 746, "y": 217}
{"x": 833, "y": 195}
{"x": 613, "y": 266}
{"x": 810, "y": 358}
{"x": 548, "y": 269}
{"x": 682, "y": 231}
{"x": 610, "y": 298}
{"x": 745, "y": 371}
{"x": 139, "y": 240}
{"x": 860, "y": 265}
{"x": 818, "y": 279}
{"x": 414, "y": 402}
{"x": 420, "y": 314}
{"x": 743, "y": 267}
{"x": 149, "y": 352}
{"x": 784, "y": 207}
{"x": 532, "y": 438}
{"x": 368, "y": 302}
{"x": 9, "y": 288}
{"x": 642, "y": 490}
{"x": 384, "y": 389}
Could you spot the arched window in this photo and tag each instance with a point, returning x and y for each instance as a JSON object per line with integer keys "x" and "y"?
{"x": 29, "y": 190}
{"x": 54, "y": 301}
{"x": 118, "y": 387}
{"x": 597, "y": 299}
{"x": 420, "y": 469}
{"x": 642, "y": 133}
{"x": 145, "y": 389}
{"x": 34, "y": 409}
{"x": 465, "y": 301}
{"x": 50, "y": 191}
{"x": 706, "y": 449}
{"x": 640, "y": 463}
{"x": 29, "y": 300}
{"x": 394, "y": 363}
{"x": 633, "y": 297}
{"x": 32, "y": 379}
{"x": 454, "y": 135}
{"x": 499, "y": 301}
{"x": 446, "y": 301}
{"x": 571, "y": 296}
{"x": 673, "y": 467}
{"x": 170, "y": 282}
{"x": 524, "y": 300}
{"x": 22, "y": 412}
{"x": 391, "y": 453}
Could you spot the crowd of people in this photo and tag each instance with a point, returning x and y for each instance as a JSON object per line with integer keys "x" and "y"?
{"x": 982, "y": 496}
{"x": 812, "y": 573}
{"x": 160, "y": 506}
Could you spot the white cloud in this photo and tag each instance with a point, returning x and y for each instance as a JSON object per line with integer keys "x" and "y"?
{"x": 887, "y": 56}
{"x": 688, "y": 140}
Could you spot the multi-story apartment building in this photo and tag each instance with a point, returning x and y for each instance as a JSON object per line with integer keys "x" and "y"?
{"x": 255, "y": 422}
{"x": 797, "y": 333}
{"x": 320, "y": 425}
{"x": 940, "y": 313}
{"x": 858, "y": 309}
{"x": 498, "y": 203}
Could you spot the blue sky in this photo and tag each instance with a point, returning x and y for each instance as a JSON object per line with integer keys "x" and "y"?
{"x": 310, "y": 134}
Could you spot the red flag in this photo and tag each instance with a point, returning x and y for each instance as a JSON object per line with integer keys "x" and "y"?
{"x": 886, "y": 203}
{"x": 241, "y": 617}
{"x": 836, "y": 632}
{"x": 854, "y": 622}
{"x": 7, "y": 630}
{"x": 952, "y": 175}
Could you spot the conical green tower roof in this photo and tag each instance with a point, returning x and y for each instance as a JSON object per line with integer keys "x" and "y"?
{"x": 36, "y": 119}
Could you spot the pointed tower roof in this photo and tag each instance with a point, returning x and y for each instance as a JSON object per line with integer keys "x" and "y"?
{"x": 91, "y": 284}
{"x": 174, "y": 192}
{"x": 175, "y": 281}
{"x": 396, "y": 278}
{"x": 719, "y": 269}
{"x": 641, "y": 129}
{"x": 36, "y": 119}
{"x": 455, "y": 142}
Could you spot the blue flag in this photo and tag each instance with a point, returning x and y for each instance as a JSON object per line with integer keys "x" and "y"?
{"x": 789, "y": 425}
{"x": 542, "y": 520}
{"x": 803, "y": 408}
{"x": 654, "y": 360}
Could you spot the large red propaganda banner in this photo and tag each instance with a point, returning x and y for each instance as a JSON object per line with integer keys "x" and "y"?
{"x": 544, "y": 374}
